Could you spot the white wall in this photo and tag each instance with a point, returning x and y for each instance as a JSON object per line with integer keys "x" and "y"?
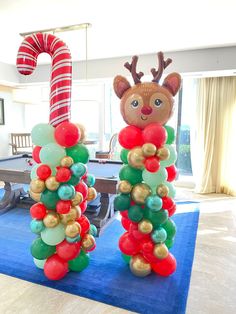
{"x": 14, "y": 120}
{"x": 201, "y": 60}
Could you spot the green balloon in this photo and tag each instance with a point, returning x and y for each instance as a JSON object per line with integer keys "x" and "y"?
{"x": 79, "y": 153}
{"x": 122, "y": 202}
{"x": 126, "y": 258}
{"x": 170, "y": 228}
{"x": 80, "y": 262}
{"x": 170, "y": 134}
{"x": 172, "y": 158}
{"x": 73, "y": 180}
{"x": 157, "y": 218}
{"x": 130, "y": 174}
{"x": 39, "y": 262}
{"x": 169, "y": 243}
{"x": 33, "y": 174}
{"x": 40, "y": 250}
{"x": 124, "y": 155}
{"x": 53, "y": 236}
{"x": 49, "y": 198}
{"x": 135, "y": 213}
{"x": 42, "y": 134}
{"x": 172, "y": 191}
{"x": 52, "y": 154}
{"x": 153, "y": 179}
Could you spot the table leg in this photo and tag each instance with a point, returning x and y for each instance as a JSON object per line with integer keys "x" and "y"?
{"x": 11, "y": 196}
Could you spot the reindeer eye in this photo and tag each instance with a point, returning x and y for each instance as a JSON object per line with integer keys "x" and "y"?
{"x": 134, "y": 103}
{"x": 158, "y": 102}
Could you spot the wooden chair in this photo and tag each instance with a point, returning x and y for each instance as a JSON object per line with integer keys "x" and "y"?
{"x": 108, "y": 154}
{"x": 21, "y": 143}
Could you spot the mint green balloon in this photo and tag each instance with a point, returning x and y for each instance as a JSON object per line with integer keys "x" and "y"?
{"x": 52, "y": 154}
{"x": 42, "y": 134}
{"x": 172, "y": 158}
{"x": 39, "y": 262}
{"x": 53, "y": 236}
{"x": 172, "y": 191}
{"x": 33, "y": 174}
{"x": 153, "y": 179}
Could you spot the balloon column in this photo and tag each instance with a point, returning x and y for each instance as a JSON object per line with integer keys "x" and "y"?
{"x": 145, "y": 198}
{"x": 60, "y": 183}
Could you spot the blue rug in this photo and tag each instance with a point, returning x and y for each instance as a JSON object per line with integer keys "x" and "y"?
{"x": 107, "y": 279}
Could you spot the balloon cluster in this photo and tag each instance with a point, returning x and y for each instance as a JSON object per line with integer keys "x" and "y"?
{"x": 61, "y": 187}
{"x": 145, "y": 198}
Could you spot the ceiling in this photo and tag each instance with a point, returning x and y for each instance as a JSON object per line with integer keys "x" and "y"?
{"x": 120, "y": 28}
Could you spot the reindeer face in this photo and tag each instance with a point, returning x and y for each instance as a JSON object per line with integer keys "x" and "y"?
{"x": 149, "y": 102}
{"x": 145, "y": 103}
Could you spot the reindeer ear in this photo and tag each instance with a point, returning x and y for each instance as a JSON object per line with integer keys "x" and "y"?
{"x": 120, "y": 85}
{"x": 172, "y": 83}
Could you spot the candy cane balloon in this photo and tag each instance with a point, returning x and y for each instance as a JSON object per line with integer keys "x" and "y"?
{"x": 60, "y": 95}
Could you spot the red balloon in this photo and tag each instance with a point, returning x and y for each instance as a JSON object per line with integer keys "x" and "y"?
{"x": 83, "y": 206}
{"x": 43, "y": 172}
{"x": 67, "y": 134}
{"x": 128, "y": 245}
{"x": 68, "y": 251}
{"x": 133, "y": 230}
{"x": 172, "y": 210}
{"x": 63, "y": 207}
{"x": 166, "y": 266}
{"x": 130, "y": 136}
{"x": 125, "y": 223}
{"x": 82, "y": 188}
{"x": 63, "y": 174}
{"x": 147, "y": 248}
{"x": 167, "y": 202}
{"x": 55, "y": 267}
{"x": 38, "y": 211}
{"x": 156, "y": 134}
{"x": 124, "y": 213}
{"x": 152, "y": 164}
{"x": 85, "y": 225}
{"x": 172, "y": 173}
{"x": 35, "y": 154}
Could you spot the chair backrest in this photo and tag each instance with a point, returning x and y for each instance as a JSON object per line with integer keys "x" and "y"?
{"x": 19, "y": 141}
{"x": 113, "y": 142}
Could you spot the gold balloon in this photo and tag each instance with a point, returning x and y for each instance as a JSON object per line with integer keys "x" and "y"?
{"x": 51, "y": 220}
{"x": 92, "y": 194}
{"x": 162, "y": 190}
{"x": 78, "y": 199}
{"x": 74, "y": 213}
{"x": 35, "y": 196}
{"x": 163, "y": 153}
{"x": 82, "y": 132}
{"x": 140, "y": 192}
{"x": 149, "y": 149}
{"x": 52, "y": 184}
{"x": 124, "y": 187}
{"x": 88, "y": 242}
{"x": 67, "y": 162}
{"x": 37, "y": 186}
{"x": 136, "y": 158}
{"x": 72, "y": 229}
{"x": 139, "y": 266}
{"x": 145, "y": 226}
{"x": 161, "y": 251}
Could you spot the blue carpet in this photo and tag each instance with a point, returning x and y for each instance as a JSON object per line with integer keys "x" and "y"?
{"x": 107, "y": 279}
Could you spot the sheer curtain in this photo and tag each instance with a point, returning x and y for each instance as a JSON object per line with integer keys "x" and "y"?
{"x": 213, "y": 144}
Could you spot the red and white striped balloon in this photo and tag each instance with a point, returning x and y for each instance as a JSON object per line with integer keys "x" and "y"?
{"x": 61, "y": 74}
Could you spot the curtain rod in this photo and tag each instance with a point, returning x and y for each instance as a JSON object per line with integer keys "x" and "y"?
{"x": 59, "y": 29}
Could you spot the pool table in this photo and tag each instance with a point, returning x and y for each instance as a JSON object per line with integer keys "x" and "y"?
{"x": 15, "y": 172}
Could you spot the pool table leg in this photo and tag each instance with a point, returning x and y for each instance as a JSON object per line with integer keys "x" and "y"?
{"x": 106, "y": 214}
{"x": 11, "y": 196}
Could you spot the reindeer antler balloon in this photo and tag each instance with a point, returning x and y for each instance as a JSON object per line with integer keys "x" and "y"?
{"x": 58, "y": 180}
{"x": 145, "y": 190}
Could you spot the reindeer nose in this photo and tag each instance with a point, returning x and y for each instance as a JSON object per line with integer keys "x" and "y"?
{"x": 146, "y": 110}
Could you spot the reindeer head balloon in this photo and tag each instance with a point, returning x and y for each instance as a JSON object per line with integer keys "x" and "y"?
{"x": 147, "y": 102}
{"x": 145, "y": 190}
